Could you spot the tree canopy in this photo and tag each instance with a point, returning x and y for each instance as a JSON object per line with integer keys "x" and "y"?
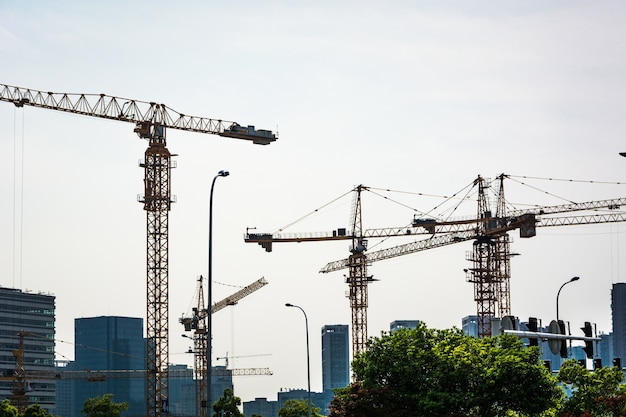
{"x": 298, "y": 408}
{"x": 227, "y": 405}
{"x": 427, "y": 372}
{"x": 103, "y": 407}
{"x": 36, "y": 410}
{"x": 600, "y": 393}
{"x": 7, "y": 410}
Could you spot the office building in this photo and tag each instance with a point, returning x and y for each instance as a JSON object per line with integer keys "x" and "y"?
{"x": 221, "y": 378}
{"x": 32, "y": 313}
{"x": 618, "y": 311}
{"x": 260, "y": 407}
{"x": 182, "y": 391}
{"x": 469, "y": 325}
{"x": 605, "y": 349}
{"x": 319, "y": 400}
{"x": 110, "y": 343}
{"x": 335, "y": 356}
{"x": 403, "y": 324}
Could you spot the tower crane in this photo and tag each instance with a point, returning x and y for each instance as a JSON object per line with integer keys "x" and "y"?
{"x": 151, "y": 120}
{"x": 490, "y": 257}
{"x": 197, "y": 323}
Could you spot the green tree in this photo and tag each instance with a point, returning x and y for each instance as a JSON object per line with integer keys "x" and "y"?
{"x": 600, "y": 393}
{"x": 427, "y": 372}
{"x": 298, "y": 408}
{"x": 227, "y": 405}
{"x": 103, "y": 407}
{"x": 36, "y": 410}
{"x": 7, "y": 410}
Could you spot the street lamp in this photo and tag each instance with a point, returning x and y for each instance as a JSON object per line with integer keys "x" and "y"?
{"x": 209, "y": 335}
{"x": 559, "y": 293}
{"x": 308, "y": 362}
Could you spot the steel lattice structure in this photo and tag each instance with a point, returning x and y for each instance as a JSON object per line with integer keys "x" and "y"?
{"x": 490, "y": 271}
{"x": 151, "y": 120}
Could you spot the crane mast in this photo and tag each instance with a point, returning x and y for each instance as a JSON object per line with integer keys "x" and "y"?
{"x": 357, "y": 278}
{"x": 157, "y": 202}
{"x": 151, "y": 120}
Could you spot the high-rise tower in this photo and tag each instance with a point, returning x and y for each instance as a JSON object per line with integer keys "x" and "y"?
{"x": 335, "y": 356}
{"x": 618, "y": 311}
{"x": 111, "y": 343}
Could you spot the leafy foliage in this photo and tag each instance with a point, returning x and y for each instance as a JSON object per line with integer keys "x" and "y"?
{"x": 36, "y": 410}
{"x": 7, "y": 410}
{"x": 298, "y": 408}
{"x": 103, "y": 407}
{"x": 227, "y": 405}
{"x": 599, "y": 393}
{"x": 427, "y": 372}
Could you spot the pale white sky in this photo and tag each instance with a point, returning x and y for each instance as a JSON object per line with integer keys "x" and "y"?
{"x": 417, "y": 96}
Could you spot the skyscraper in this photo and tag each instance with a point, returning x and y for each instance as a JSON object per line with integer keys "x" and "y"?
{"x": 618, "y": 311}
{"x": 335, "y": 356}
{"x": 110, "y": 343}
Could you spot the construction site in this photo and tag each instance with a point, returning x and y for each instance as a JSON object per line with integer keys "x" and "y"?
{"x": 489, "y": 267}
{"x": 456, "y": 167}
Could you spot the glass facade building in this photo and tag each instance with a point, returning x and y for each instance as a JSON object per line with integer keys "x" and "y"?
{"x": 110, "y": 343}
{"x": 618, "y": 311}
{"x": 32, "y": 314}
{"x": 403, "y": 324}
{"x": 335, "y": 356}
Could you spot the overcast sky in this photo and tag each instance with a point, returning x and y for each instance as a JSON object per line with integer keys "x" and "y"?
{"x": 413, "y": 96}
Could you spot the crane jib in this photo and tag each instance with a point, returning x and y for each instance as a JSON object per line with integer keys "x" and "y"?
{"x": 132, "y": 111}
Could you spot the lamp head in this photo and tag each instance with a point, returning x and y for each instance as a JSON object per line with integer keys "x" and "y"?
{"x": 574, "y": 279}
{"x": 623, "y": 154}
{"x": 289, "y": 305}
{"x": 223, "y": 173}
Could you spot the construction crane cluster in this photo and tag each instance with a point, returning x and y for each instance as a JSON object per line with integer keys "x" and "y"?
{"x": 151, "y": 120}
{"x": 490, "y": 270}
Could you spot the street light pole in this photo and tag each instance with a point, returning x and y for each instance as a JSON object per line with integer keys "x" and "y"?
{"x": 209, "y": 335}
{"x": 308, "y": 362}
{"x": 559, "y": 293}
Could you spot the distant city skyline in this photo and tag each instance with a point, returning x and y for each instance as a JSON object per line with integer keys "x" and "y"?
{"x": 114, "y": 342}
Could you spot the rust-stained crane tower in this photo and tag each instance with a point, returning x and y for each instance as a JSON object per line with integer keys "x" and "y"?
{"x": 357, "y": 277}
{"x": 151, "y": 121}
{"x": 491, "y": 269}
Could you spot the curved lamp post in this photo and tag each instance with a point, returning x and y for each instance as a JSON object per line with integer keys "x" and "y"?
{"x": 559, "y": 293}
{"x": 209, "y": 335}
{"x": 308, "y": 363}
